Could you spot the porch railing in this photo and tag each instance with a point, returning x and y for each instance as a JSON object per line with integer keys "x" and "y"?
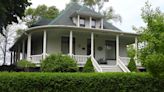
{"x": 123, "y": 66}
{"x": 125, "y": 60}
{"x": 96, "y": 65}
{"x": 36, "y": 58}
{"x": 80, "y": 59}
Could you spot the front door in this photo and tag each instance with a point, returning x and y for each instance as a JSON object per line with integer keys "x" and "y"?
{"x": 110, "y": 50}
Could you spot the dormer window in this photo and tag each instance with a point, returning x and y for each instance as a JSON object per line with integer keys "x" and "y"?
{"x": 93, "y": 23}
{"x": 82, "y": 22}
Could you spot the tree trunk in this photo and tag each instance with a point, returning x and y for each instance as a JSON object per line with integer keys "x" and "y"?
{"x": 5, "y": 49}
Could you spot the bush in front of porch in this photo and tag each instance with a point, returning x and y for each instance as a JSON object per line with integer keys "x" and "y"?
{"x": 58, "y": 63}
{"x": 88, "y": 66}
{"x": 25, "y": 65}
{"x": 132, "y": 65}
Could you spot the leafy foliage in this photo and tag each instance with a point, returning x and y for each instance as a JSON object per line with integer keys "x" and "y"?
{"x": 131, "y": 51}
{"x": 98, "y": 5}
{"x": 132, "y": 65}
{"x": 152, "y": 36}
{"x": 10, "y": 10}
{"x": 155, "y": 64}
{"x": 80, "y": 82}
{"x": 88, "y": 66}
{"x": 58, "y": 63}
{"x": 25, "y": 64}
{"x": 42, "y": 11}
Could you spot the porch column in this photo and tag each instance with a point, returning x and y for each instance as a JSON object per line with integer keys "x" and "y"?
{"x": 70, "y": 43}
{"x": 90, "y": 22}
{"x": 102, "y": 23}
{"x": 78, "y": 20}
{"x": 136, "y": 48}
{"x": 117, "y": 49}
{"x": 29, "y": 47}
{"x": 44, "y": 44}
{"x": 23, "y": 49}
{"x": 92, "y": 44}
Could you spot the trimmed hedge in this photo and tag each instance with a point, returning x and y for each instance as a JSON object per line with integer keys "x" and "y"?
{"x": 80, "y": 82}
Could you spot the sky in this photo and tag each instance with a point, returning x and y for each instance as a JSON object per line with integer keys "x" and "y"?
{"x": 130, "y": 10}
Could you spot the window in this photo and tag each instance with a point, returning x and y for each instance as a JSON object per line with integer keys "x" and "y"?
{"x": 93, "y": 23}
{"x": 82, "y": 22}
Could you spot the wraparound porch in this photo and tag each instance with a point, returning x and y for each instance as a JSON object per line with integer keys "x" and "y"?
{"x": 80, "y": 45}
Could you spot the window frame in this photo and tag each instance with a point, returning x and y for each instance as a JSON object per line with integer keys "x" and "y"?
{"x": 82, "y": 24}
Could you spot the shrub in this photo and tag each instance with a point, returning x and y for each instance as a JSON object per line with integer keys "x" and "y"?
{"x": 155, "y": 64}
{"x": 132, "y": 65}
{"x": 80, "y": 82}
{"x": 88, "y": 66}
{"x": 25, "y": 65}
{"x": 58, "y": 63}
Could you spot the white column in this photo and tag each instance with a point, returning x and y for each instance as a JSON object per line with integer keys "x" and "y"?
{"x": 136, "y": 48}
{"x": 117, "y": 49}
{"x": 29, "y": 47}
{"x": 90, "y": 22}
{"x": 78, "y": 20}
{"x": 23, "y": 49}
{"x": 44, "y": 43}
{"x": 70, "y": 43}
{"x": 102, "y": 23}
{"x": 92, "y": 44}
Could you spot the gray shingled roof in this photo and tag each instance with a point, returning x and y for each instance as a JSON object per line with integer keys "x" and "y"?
{"x": 65, "y": 17}
{"x": 41, "y": 22}
{"x": 108, "y": 25}
{"x": 88, "y": 12}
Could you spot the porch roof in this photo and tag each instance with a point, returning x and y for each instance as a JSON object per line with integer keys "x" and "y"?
{"x": 70, "y": 28}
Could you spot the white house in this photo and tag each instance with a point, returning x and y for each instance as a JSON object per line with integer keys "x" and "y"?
{"x": 81, "y": 33}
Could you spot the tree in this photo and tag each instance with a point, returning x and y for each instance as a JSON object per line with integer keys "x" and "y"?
{"x": 42, "y": 11}
{"x": 131, "y": 53}
{"x": 152, "y": 54}
{"x": 10, "y": 10}
{"x": 88, "y": 67}
{"x": 98, "y": 5}
{"x": 6, "y": 41}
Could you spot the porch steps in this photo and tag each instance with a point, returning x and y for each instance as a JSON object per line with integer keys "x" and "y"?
{"x": 110, "y": 68}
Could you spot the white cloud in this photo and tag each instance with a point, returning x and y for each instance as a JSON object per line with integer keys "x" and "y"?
{"x": 60, "y": 4}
